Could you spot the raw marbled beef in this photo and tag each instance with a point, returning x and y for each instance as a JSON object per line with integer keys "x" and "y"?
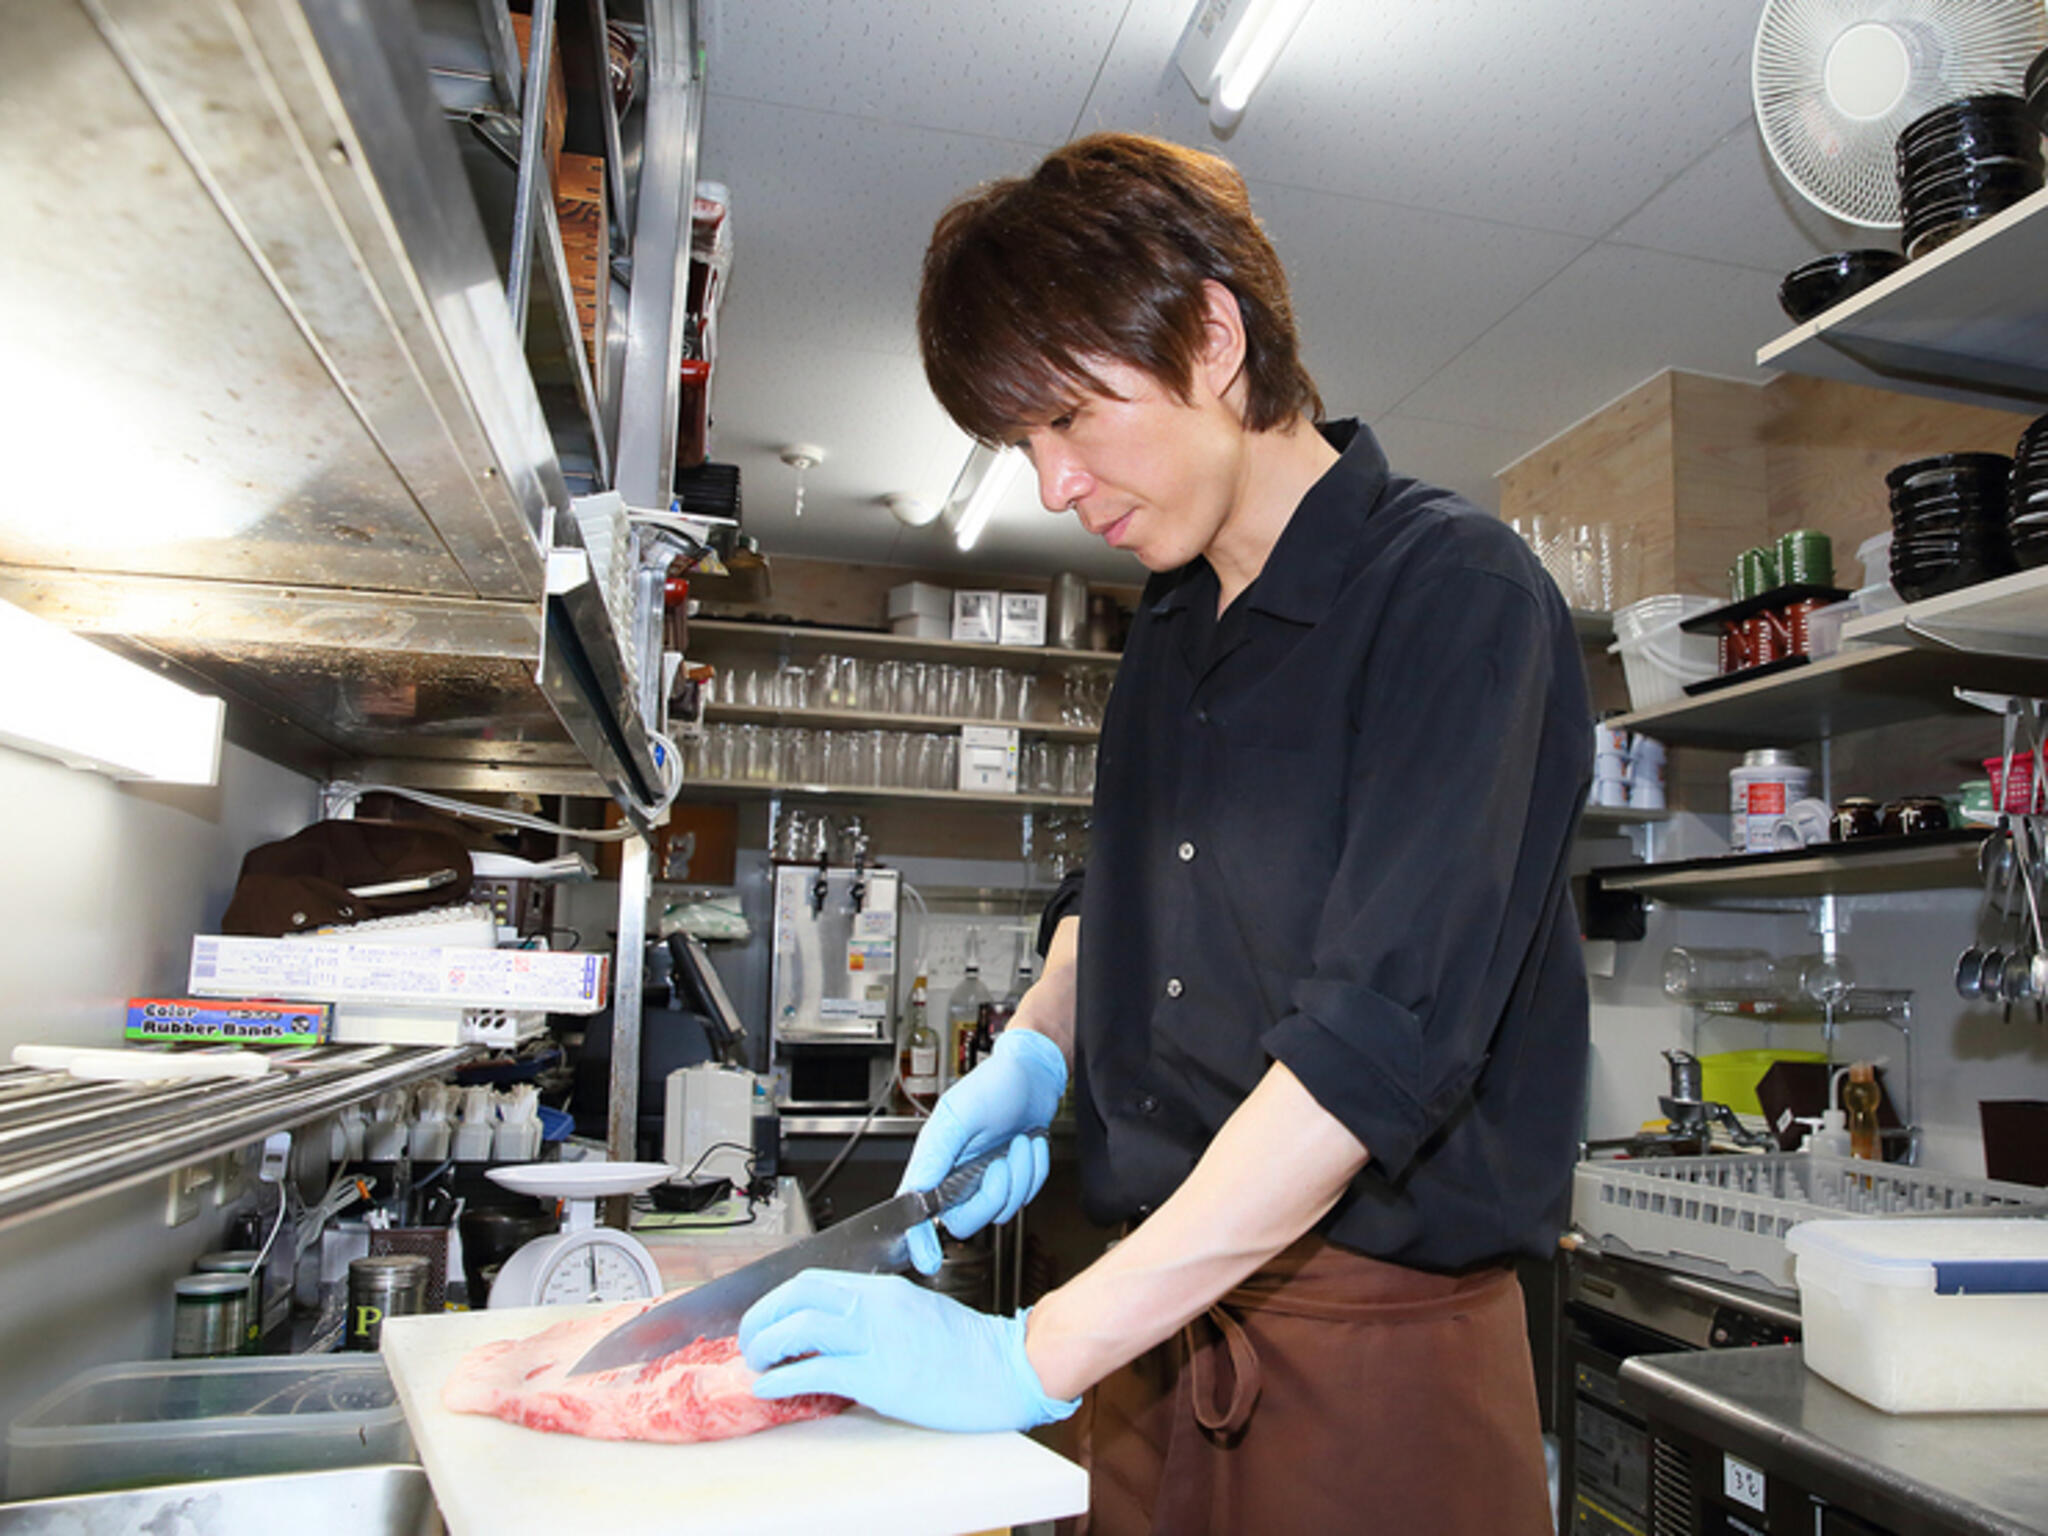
{"x": 702, "y": 1392}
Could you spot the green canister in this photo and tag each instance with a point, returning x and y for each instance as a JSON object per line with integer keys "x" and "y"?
{"x": 1806, "y": 558}
{"x": 1755, "y": 572}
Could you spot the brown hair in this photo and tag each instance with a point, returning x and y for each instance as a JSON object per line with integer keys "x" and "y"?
{"x": 1101, "y": 253}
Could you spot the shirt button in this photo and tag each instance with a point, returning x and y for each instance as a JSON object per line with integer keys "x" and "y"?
{"x": 1173, "y": 986}
{"x": 1146, "y": 1104}
{"x": 1186, "y": 852}
{"x": 1202, "y": 716}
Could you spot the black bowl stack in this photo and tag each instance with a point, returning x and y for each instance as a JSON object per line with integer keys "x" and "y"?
{"x": 1963, "y": 162}
{"x": 2029, "y": 498}
{"x": 1949, "y": 522}
{"x": 1822, "y": 283}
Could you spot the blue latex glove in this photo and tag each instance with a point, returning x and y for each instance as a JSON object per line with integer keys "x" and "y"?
{"x": 1011, "y": 1094}
{"x": 900, "y": 1349}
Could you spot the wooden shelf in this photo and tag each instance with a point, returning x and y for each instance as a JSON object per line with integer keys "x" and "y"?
{"x": 1592, "y": 628}
{"x": 857, "y": 719}
{"x": 728, "y": 789}
{"x": 1968, "y": 322}
{"x": 1605, "y": 817}
{"x": 1864, "y": 868}
{"x": 2008, "y": 616}
{"x": 711, "y": 635}
{"x": 1854, "y": 690}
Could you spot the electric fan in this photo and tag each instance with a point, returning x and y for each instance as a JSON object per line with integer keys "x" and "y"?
{"x": 1835, "y": 81}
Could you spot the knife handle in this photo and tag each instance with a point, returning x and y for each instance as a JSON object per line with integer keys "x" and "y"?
{"x": 965, "y": 1179}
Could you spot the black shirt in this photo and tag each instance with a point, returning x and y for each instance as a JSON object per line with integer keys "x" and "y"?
{"x": 1332, "y": 828}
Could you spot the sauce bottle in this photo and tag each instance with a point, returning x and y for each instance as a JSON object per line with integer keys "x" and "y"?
{"x": 1859, "y": 1098}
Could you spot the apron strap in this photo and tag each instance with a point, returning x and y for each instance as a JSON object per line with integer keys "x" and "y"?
{"x": 1229, "y": 1417}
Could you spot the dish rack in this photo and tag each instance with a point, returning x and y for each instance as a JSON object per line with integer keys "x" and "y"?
{"x": 1726, "y": 1217}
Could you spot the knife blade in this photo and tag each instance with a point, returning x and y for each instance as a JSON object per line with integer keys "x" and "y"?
{"x": 877, "y": 1241}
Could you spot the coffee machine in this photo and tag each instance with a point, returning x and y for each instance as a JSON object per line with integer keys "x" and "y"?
{"x": 832, "y": 986}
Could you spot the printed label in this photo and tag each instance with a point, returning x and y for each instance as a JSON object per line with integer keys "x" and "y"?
{"x": 1742, "y": 1482}
{"x": 1767, "y": 799}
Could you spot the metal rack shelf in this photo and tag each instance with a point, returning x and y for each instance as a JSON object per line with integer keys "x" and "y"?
{"x": 2002, "y": 621}
{"x": 1857, "y": 689}
{"x": 860, "y": 719}
{"x": 63, "y": 1140}
{"x": 726, "y": 789}
{"x": 1867, "y": 867}
{"x": 1968, "y": 322}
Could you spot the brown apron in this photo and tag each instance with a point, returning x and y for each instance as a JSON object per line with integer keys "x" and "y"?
{"x": 1329, "y": 1392}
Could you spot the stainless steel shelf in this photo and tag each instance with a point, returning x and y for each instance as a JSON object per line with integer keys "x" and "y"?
{"x": 337, "y": 474}
{"x": 63, "y": 1140}
{"x": 1968, "y": 322}
{"x": 710, "y": 636}
{"x": 1597, "y": 818}
{"x": 1854, "y": 690}
{"x": 1865, "y": 868}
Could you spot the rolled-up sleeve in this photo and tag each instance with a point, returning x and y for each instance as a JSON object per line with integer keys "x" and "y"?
{"x": 1464, "y": 783}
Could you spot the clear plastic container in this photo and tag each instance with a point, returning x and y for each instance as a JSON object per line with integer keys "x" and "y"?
{"x": 176, "y": 1421}
{"x": 1657, "y": 657}
{"x": 1927, "y": 1316}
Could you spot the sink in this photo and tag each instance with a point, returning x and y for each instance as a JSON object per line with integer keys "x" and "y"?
{"x": 356, "y": 1501}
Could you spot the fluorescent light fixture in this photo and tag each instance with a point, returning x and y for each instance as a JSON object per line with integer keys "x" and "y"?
{"x": 983, "y": 491}
{"x": 1230, "y": 48}
{"x": 64, "y": 697}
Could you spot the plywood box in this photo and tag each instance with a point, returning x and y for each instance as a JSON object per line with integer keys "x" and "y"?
{"x": 586, "y": 242}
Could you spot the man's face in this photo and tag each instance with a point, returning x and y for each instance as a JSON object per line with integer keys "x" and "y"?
{"x": 1144, "y": 471}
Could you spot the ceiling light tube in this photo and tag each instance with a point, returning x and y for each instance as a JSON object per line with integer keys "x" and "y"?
{"x": 996, "y": 479}
{"x": 62, "y": 696}
{"x": 1231, "y": 47}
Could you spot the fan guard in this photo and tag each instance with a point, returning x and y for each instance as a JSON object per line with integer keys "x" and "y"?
{"x": 1836, "y": 80}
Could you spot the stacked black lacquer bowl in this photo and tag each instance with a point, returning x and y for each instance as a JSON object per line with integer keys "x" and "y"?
{"x": 1949, "y": 522}
{"x": 1964, "y": 162}
{"x": 2029, "y": 497}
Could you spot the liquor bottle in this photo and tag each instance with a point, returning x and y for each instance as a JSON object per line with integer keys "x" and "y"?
{"x": 1859, "y": 1098}
{"x": 963, "y": 1015}
{"x": 920, "y": 1049}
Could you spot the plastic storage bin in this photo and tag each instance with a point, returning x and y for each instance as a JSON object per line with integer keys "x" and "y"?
{"x": 1657, "y": 657}
{"x": 1927, "y": 1316}
{"x": 176, "y": 1421}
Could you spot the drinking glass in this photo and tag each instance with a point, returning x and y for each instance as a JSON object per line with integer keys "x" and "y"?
{"x": 1027, "y": 696}
{"x": 895, "y": 760}
{"x": 910, "y": 688}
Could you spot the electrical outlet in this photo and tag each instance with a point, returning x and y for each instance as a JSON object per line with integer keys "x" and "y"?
{"x": 188, "y": 1192}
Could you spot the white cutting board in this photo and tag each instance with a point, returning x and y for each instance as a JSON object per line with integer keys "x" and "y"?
{"x": 856, "y": 1472}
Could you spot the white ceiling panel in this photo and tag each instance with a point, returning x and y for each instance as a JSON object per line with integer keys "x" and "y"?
{"x": 1733, "y": 206}
{"x": 1552, "y": 115}
{"x": 1008, "y": 69}
{"x": 1452, "y": 454}
{"x": 1396, "y": 293}
{"x": 1614, "y": 317}
{"x": 830, "y": 219}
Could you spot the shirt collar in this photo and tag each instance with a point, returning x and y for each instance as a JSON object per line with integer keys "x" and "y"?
{"x": 1302, "y": 575}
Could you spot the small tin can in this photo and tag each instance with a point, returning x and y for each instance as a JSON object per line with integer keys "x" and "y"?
{"x": 380, "y": 1286}
{"x": 211, "y": 1315}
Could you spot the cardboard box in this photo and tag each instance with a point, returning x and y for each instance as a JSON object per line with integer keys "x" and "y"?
{"x": 988, "y": 759}
{"x": 922, "y": 626}
{"x": 222, "y": 1022}
{"x": 587, "y": 250}
{"x": 1023, "y": 619}
{"x": 922, "y": 599}
{"x": 976, "y": 616}
{"x": 520, "y": 979}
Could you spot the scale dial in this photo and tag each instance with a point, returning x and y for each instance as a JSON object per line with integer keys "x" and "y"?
{"x": 571, "y": 1268}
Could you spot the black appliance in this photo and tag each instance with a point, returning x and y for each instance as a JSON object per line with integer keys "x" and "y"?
{"x": 1613, "y": 1309}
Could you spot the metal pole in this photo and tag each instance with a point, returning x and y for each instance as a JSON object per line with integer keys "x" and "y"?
{"x": 532, "y": 148}
{"x": 622, "y": 1123}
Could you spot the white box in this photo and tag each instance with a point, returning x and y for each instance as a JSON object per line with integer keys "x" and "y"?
{"x": 518, "y": 979}
{"x": 988, "y": 759}
{"x": 922, "y": 599}
{"x": 975, "y": 616}
{"x": 1927, "y": 1315}
{"x": 707, "y": 1128}
{"x": 922, "y": 626}
{"x": 1023, "y": 619}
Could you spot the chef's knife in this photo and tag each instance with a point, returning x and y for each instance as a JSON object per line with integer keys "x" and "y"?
{"x": 877, "y": 1241}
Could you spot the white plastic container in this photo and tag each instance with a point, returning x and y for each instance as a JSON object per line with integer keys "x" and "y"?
{"x": 1761, "y": 793}
{"x": 1657, "y": 657}
{"x": 1927, "y": 1315}
{"x": 1876, "y": 554}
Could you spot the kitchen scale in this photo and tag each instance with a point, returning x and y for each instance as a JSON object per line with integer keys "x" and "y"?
{"x": 584, "y": 1261}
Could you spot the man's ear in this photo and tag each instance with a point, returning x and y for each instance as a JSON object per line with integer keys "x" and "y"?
{"x": 1221, "y": 363}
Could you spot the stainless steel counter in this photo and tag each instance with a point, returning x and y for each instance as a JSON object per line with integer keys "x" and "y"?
{"x": 1912, "y": 1473}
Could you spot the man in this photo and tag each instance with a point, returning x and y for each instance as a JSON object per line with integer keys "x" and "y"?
{"x": 1320, "y": 991}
